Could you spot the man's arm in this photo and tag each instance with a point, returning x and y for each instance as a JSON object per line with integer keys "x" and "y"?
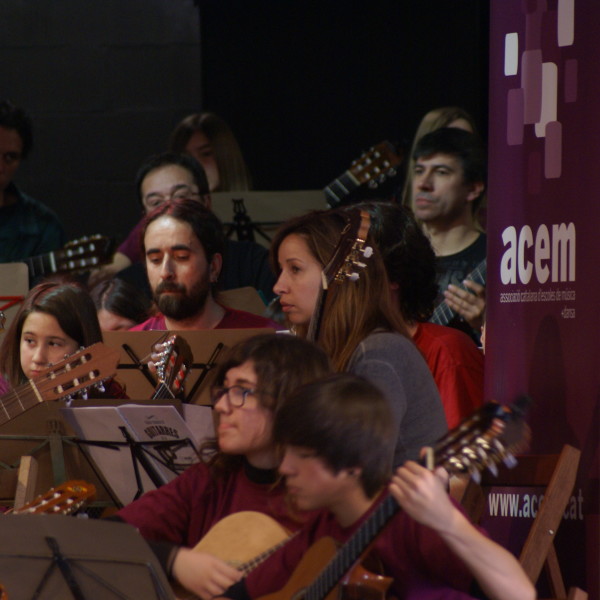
{"x": 422, "y": 495}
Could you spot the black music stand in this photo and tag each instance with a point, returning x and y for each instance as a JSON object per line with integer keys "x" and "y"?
{"x": 52, "y": 557}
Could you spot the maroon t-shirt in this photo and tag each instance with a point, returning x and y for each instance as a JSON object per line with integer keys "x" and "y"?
{"x": 232, "y": 319}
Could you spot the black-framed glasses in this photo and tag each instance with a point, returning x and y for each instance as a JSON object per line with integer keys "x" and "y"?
{"x": 236, "y": 394}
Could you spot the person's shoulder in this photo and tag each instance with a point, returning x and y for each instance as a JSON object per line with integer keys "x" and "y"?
{"x": 446, "y": 336}
{"x": 154, "y": 323}
{"x": 240, "y": 319}
{"x": 30, "y": 204}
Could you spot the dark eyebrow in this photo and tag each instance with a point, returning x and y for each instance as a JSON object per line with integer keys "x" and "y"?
{"x": 172, "y": 248}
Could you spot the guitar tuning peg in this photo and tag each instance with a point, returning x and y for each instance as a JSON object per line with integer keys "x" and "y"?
{"x": 510, "y": 461}
{"x": 358, "y": 265}
{"x": 353, "y": 276}
{"x": 100, "y": 387}
{"x": 476, "y": 476}
{"x": 367, "y": 251}
{"x": 493, "y": 469}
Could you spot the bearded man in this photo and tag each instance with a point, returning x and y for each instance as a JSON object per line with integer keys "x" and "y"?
{"x": 183, "y": 245}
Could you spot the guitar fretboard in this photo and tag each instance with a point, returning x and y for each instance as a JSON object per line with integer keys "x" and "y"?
{"x": 16, "y": 402}
{"x": 351, "y": 551}
{"x": 443, "y": 314}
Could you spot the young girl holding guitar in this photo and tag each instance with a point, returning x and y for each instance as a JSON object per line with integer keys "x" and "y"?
{"x": 54, "y": 321}
{"x": 357, "y": 325}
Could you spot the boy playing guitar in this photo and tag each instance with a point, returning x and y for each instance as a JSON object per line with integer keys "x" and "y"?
{"x": 337, "y": 436}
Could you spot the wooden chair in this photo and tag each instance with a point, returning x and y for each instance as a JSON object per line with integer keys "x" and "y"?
{"x": 557, "y": 474}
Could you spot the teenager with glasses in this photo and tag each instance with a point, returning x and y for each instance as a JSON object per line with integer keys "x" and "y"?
{"x": 238, "y": 470}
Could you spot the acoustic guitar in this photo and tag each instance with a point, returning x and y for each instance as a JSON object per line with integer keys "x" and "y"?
{"x": 77, "y": 256}
{"x": 64, "y": 499}
{"x": 443, "y": 314}
{"x": 345, "y": 264}
{"x": 74, "y": 374}
{"x": 243, "y": 539}
{"x": 485, "y": 439}
{"x": 172, "y": 360}
{"x": 372, "y": 168}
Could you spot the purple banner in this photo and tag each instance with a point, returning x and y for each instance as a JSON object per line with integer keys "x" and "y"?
{"x": 543, "y": 324}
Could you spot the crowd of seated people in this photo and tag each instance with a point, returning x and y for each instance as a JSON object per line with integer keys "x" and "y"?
{"x": 338, "y": 404}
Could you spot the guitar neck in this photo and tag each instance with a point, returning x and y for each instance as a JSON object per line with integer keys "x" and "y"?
{"x": 18, "y": 401}
{"x": 443, "y": 314}
{"x": 352, "y": 550}
{"x": 39, "y": 266}
{"x": 339, "y": 188}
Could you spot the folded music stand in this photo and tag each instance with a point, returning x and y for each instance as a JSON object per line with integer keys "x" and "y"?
{"x": 52, "y": 557}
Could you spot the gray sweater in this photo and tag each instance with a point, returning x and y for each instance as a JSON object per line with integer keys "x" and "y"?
{"x": 393, "y": 363}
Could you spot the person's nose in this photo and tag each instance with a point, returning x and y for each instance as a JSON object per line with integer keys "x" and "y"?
{"x": 281, "y": 286}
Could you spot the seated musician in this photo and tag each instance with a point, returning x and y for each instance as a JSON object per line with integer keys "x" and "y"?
{"x": 336, "y": 435}
{"x": 54, "y": 321}
{"x": 238, "y": 470}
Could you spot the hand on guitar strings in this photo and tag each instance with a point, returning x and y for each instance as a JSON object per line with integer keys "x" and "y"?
{"x": 469, "y": 303}
{"x": 204, "y": 574}
{"x": 422, "y": 495}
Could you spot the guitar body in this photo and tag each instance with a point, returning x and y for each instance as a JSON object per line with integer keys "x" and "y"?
{"x": 358, "y": 583}
{"x": 242, "y": 537}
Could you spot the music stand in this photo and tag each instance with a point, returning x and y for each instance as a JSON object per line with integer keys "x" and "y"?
{"x": 54, "y": 557}
{"x": 208, "y": 348}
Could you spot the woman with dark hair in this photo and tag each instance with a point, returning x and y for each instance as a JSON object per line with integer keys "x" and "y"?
{"x": 361, "y": 331}
{"x": 120, "y": 305}
{"x": 209, "y": 139}
{"x": 239, "y": 468}
{"x": 54, "y": 321}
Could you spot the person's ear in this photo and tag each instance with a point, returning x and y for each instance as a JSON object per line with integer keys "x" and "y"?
{"x": 476, "y": 189}
{"x": 215, "y": 267}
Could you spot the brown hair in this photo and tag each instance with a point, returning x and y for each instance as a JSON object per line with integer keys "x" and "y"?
{"x": 69, "y": 304}
{"x": 233, "y": 172}
{"x": 282, "y": 363}
{"x": 352, "y": 310}
{"x": 347, "y": 421}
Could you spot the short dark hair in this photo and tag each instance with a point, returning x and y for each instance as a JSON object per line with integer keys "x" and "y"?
{"x": 464, "y": 145}
{"x": 12, "y": 117}
{"x": 204, "y": 223}
{"x": 347, "y": 421}
{"x": 121, "y": 298}
{"x": 408, "y": 257}
{"x": 169, "y": 158}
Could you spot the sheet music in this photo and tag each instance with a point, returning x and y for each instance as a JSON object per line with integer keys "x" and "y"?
{"x": 145, "y": 423}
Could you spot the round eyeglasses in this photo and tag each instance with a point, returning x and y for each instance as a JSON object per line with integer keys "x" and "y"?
{"x": 236, "y": 394}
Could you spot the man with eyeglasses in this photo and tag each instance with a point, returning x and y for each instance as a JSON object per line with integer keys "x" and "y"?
{"x": 27, "y": 227}
{"x": 170, "y": 176}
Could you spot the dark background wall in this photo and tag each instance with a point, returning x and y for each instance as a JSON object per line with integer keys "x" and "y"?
{"x": 305, "y": 86}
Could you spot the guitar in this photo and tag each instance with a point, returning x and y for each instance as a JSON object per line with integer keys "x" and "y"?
{"x": 372, "y": 168}
{"x": 77, "y": 256}
{"x": 485, "y": 439}
{"x": 64, "y": 499}
{"x": 345, "y": 263}
{"x": 256, "y": 536}
{"x": 75, "y": 373}
{"x": 443, "y": 314}
{"x": 172, "y": 360}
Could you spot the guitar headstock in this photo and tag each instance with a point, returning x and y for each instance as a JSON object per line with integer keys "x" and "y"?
{"x": 490, "y": 436}
{"x": 351, "y": 250}
{"x": 172, "y": 360}
{"x": 81, "y": 370}
{"x": 64, "y": 499}
{"x": 377, "y": 164}
{"x": 83, "y": 253}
